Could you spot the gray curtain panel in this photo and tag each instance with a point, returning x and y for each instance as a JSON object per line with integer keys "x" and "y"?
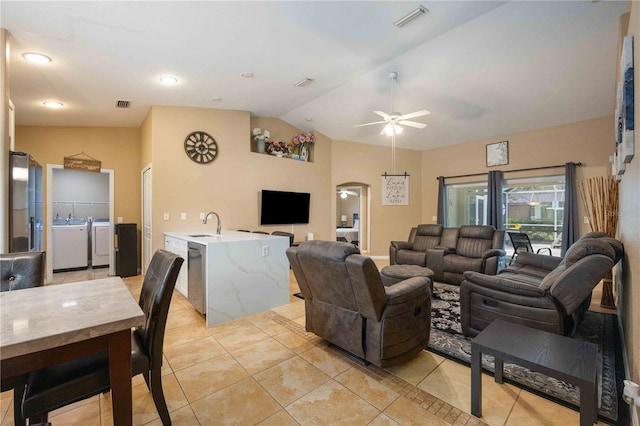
{"x": 570, "y": 227}
{"x": 494, "y": 199}
{"x": 442, "y": 194}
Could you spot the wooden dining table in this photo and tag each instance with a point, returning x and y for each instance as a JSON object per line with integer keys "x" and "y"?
{"x": 43, "y": 326}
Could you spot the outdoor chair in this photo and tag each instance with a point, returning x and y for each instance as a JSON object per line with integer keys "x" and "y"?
{"x": 521, "y": 242}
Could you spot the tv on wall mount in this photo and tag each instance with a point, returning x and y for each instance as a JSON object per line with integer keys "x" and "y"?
{"x": 284, "y": 207}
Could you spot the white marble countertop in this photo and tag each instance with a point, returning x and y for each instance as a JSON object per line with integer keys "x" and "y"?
{"x": 226, "y": 236}
{"x": 41, "y": 318}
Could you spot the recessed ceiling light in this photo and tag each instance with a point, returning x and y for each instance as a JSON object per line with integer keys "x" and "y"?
{"x": 216, "y": 99}
{"x": 52, "y": 104}
{"x": 247, "y": 74}
{"x": 167, "y": 79}
{"x": 36, "y": 58}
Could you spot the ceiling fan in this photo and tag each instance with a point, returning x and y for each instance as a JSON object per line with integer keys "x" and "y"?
{"x": 345, "y": 192}
{"x": 394, "y": 120}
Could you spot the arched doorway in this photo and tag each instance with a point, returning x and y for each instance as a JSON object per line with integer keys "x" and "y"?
{"x": 353, "y": 214}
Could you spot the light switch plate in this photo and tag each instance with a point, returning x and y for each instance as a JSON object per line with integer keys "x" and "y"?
{"x": 434, "y": 218}
{"x": 201, "y": 215}
{"x": 120, "y": 219}
{"x": 265, "y": 251}
{"x": 183, "y": 216}
{"x": 586, "y": 219}
{"x": 165, "y": 216}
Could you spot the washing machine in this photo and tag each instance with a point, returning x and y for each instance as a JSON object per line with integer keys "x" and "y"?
{"x": 100, "y": 237}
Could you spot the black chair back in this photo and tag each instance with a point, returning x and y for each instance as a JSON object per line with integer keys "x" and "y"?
{"x": 22, "y": 270}
{"x": 157, "y": 289}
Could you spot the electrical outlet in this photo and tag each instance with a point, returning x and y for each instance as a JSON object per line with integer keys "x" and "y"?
{"x": 183, "y": 216}
{"x": 201, "y": 215}
{"x": 434, "y": 218}
{"x": 586, "y": 219}
{"x": 120, "y": 219}
{"x": 165, "y": 216}
{"x": 265, "y": 251}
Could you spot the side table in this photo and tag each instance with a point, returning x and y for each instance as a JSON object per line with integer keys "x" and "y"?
{"x": 563, "y": 358}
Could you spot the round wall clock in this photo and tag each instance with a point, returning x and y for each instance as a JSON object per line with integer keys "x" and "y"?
{"x": 201, "y": 147}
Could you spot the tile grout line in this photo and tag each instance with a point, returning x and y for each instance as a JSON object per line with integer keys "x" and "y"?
{"x": 419, "y": 397}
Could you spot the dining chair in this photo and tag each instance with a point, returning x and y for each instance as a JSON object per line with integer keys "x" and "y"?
{"x": 64, "y": 384}
{"x": 285, "y": 234}
{"x": 19, "y": 271}
{"x": 520, "y": 241}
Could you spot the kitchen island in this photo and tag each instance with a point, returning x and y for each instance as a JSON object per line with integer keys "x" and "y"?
{"x": 242, "y": 273}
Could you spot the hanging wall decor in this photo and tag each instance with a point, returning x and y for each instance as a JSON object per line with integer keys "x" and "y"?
{"x": 395, "y": 190}
{"x": 498, "y": 153}
{"x": 625, "y": 145}
{"x": 87, "y": 164}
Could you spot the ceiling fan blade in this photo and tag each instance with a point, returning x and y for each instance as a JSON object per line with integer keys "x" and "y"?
{"x": 414, "y": 114}
{"x": 384, "y": 115}
{"x": 412, "y": 124}
{"x": 369, "y": 124}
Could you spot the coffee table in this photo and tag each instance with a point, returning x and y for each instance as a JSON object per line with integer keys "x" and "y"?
{"x": 570, "y": 360}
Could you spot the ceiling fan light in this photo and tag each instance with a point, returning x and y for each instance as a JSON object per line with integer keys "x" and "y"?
{"x": 398, "y": 129}
{"x": 388, "y": 130}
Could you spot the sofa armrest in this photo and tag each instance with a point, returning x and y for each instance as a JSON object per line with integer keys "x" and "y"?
{"x": 495, "y": 282}
{"x": 402, "y": 245}
{"x": 445, "y": 250}
{"x": 493, "y": 252}
{"x": 406, "y": 290}
{"x": 540, "y": 261}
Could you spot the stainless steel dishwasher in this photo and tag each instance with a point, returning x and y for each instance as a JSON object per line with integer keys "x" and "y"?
{"x": 196, "y": 265}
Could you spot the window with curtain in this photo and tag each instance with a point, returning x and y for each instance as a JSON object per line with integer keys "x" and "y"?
{"x": 535, "y": 206}
{"x": 466, "y": 204}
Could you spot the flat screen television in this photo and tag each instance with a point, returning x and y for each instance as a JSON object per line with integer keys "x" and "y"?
{"x": 284, "y": 208}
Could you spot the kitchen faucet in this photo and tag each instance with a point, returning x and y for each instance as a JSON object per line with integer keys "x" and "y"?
{"x": 219, "y": 228}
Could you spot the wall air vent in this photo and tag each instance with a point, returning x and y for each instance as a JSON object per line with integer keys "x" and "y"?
{"x": 123, "y": 104}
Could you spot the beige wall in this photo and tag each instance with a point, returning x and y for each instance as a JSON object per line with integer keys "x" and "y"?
{"x": 230, "y": 185}
{"x": 356, "y": 162}
{"x": 588, "y": 142}
{"x": 117, "y": 148}
{"x": 629, "y": 225}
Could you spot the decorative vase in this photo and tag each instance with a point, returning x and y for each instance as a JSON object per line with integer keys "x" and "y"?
{"x": 260, "y": 145}
{"x": 304, "y": 153}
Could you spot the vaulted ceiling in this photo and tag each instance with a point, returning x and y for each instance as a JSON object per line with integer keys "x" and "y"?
{"x": 483, "y": 69}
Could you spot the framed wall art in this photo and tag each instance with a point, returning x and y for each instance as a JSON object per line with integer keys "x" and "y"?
{"x": 498, "y": 153}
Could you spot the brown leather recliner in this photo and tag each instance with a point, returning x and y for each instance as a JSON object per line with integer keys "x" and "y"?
{"x": 540, "y": 291}
{"x": 347, "y": 304}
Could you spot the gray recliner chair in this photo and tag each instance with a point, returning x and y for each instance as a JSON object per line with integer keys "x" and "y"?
{"x": 347, "y": 304}
{"x": 413, "y": 251}
{"x": 540, "y": 291}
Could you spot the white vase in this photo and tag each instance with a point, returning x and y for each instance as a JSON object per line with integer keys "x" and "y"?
{"x": 260, "y": 145}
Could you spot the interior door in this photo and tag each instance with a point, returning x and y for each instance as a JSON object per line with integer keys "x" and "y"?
{"x": 146, "y": 218}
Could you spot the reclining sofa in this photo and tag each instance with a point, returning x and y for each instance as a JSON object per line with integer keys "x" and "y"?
{"x": 540, "y": 291}
{"x": 449, "y": 252}
{"x": 347, "y": 304}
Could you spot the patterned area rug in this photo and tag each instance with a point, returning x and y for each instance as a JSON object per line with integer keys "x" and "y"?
{"x": 447, "y": 340}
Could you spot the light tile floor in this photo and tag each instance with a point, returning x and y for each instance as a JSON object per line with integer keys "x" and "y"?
{"x": 266, "y": 370}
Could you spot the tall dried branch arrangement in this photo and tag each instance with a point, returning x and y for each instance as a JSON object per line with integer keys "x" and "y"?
{"x": 600, "y": 198}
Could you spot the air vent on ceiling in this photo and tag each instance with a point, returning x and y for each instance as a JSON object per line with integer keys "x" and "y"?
{"x": 123, "y": 104}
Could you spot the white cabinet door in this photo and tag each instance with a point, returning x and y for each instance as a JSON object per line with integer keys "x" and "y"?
{"x": 179, "y": 247}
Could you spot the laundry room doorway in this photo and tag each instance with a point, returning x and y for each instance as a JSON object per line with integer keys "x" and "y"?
{"x": 80, "y": 208}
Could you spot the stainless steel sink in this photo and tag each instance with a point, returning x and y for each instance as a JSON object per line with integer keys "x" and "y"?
{"x": 200, "y": 235}
{"x": 64, "y": 222}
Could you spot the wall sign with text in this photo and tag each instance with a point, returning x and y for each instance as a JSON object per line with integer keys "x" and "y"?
{"x": 395, "y": 190}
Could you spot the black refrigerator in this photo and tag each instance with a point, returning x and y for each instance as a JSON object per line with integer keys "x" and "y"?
{"x": 126, "y": 249}
{"x": 25, "y": 203}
